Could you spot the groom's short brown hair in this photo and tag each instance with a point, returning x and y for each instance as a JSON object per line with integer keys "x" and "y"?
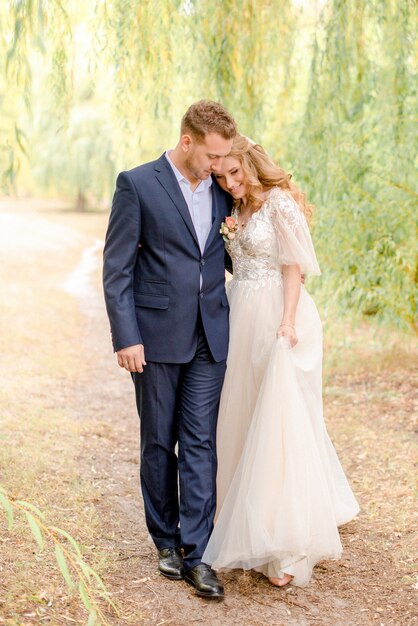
{"x": 207, "y": 116}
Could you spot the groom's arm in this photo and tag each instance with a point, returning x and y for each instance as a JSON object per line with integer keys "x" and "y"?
{"x": 119, "y": 258}
{"x": 228, "y": 200}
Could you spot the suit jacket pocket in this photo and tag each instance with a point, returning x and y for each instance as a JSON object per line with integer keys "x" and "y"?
{"x": 150, "y": 301}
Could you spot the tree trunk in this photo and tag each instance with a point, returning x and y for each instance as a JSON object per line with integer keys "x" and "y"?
{"x": 81, "y": 205}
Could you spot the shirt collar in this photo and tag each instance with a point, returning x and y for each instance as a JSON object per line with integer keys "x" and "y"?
{"x": 203, "y": 185}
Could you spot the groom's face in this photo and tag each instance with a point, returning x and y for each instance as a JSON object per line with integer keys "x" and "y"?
{"x": 202, "y": 158}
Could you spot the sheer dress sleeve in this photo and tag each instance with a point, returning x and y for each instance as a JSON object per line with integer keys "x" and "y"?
{"x": 294, "y": 240}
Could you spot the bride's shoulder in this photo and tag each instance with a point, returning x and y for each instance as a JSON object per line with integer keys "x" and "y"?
{"x": 274, "y": 191}
{"x": 284, "y": 208}
{"x": 279, "y": 198}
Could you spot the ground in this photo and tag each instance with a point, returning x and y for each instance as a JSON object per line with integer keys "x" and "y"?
{"x": 69, "y": 445}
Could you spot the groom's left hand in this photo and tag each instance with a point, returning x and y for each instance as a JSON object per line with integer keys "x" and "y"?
{"x": 132, "y": 358}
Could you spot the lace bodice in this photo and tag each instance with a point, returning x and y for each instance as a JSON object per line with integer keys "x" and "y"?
{"x": 275, "y": 235}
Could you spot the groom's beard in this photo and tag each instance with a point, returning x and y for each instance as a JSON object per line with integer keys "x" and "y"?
{"x": 198, "y": 174}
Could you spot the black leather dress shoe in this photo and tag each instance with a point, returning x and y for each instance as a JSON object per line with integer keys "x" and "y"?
{"x": 204, "y": 579}
{"x": 170, "y": 563}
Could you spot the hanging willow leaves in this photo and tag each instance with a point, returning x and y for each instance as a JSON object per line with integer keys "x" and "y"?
{"x": 69, "y": 559}
{"x": 89, "y": 572}
{"x": 31, "y": 507}
{"x": 354, "y": 151}
{"x": 327, "y": 87}
{"x": 84, "y": 596}
{"x": 245, "y": 54}
{"x": 92, "y": 618}
{"x": 36, "y": 531}
{"x": 62, "y": 564}
{"x": 71, "y": 539}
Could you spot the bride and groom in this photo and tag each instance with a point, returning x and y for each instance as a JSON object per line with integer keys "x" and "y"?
{"x": 252, "y": 443}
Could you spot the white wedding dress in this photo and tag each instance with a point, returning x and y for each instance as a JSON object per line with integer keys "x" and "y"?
{"x": 281, "y": 490}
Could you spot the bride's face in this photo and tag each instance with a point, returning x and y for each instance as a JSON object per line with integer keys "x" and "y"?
{"x": 231, "y": 177}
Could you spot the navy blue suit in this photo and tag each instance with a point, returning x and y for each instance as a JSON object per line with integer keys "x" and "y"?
{"x": 152, "y": 270}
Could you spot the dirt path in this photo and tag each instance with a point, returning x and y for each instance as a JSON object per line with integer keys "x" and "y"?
{"x": 369, "y": 418}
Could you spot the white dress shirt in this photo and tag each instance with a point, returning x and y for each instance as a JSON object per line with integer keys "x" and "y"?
{"x": 199, "y": 203}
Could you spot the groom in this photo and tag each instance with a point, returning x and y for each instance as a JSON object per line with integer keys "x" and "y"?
{"x": 168, "y": 311}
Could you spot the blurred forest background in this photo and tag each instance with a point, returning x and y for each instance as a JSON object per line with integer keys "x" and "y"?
{"x": 326, "y": 86}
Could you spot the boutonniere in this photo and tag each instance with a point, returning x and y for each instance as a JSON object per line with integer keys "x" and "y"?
{"x": 228, "y": 228}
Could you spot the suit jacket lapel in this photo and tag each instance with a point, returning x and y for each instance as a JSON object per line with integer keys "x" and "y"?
{"x": 167, "y": 179}
{"x": 216, "y": 214}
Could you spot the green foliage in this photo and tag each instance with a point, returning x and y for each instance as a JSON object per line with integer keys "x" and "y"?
{"x": 327, "y": 87}
{"x": 36, "y": 531}
{"x": 82, "y": 163}
{"x": 25, "y": 27}
{"x": 354, "y": 153}
{"x": 246, "y": 61}
{"x": 68, "y": 556}
{"x": 62, "y": 563}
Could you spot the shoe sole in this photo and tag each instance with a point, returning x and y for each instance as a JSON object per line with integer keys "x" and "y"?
{"x": 172, "y": 576}
{"x": 215, "y": 596}
{"x": 205, "y": 594}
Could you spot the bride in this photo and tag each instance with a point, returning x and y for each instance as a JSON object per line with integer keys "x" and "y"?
{"x": 281, "y": 490}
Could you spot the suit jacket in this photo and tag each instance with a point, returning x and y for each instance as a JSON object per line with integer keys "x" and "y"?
{"x": 152, "y": 267}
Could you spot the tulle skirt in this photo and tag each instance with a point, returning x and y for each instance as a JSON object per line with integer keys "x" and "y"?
{"x": 282, "y": 492}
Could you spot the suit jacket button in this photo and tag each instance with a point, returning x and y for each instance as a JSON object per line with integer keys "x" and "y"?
{"x": 201, "y": 295}
{"x": 202, "y": 262}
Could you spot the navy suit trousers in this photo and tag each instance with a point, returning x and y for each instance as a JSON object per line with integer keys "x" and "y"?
{"x": 178, "y": 403}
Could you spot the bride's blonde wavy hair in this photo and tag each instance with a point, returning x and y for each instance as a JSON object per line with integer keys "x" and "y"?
{"x": 261, "y": 174}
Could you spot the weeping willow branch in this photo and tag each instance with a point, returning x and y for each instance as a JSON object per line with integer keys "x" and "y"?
{"x": 68, "y": 556}
{"x": 329, "y": 93}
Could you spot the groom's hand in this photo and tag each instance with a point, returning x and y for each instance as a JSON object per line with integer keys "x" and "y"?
{"x": 132, "y": 358}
